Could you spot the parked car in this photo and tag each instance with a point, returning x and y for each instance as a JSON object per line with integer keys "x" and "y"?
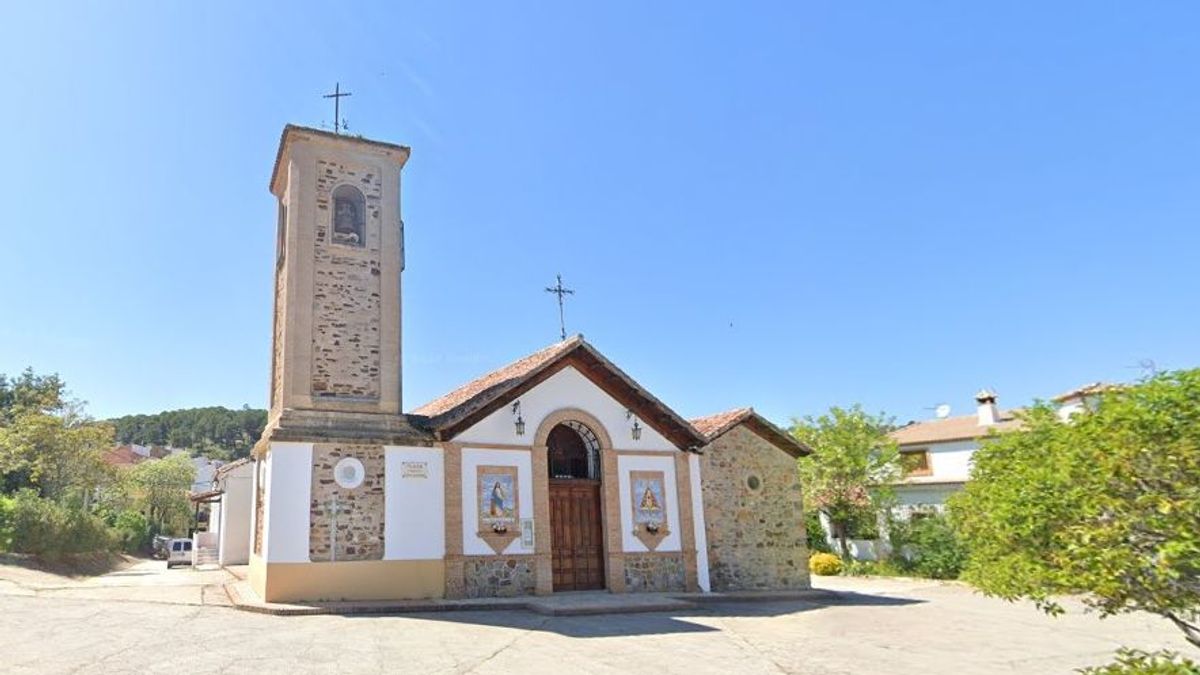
{"x": 160, "y": 545}
{"x": 179, "y": 552}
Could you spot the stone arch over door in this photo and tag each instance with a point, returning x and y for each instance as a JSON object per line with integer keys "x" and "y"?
{"x": 614, "y": 569}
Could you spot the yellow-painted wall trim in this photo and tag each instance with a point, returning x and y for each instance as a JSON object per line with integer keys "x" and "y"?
{"x": 350, "y": 580}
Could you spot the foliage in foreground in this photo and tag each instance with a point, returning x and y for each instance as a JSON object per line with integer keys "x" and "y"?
{"x": 1137, "y": 662}
{"x": 1106, "y": 505}
{"x": 57, "y": 495}
{"x": 928, "y": 547}
{"x": 824, "y": 564}
{"x": 852, "y": 463}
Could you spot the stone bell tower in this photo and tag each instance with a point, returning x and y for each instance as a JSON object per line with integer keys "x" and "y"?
{"x": 335, "y": 367}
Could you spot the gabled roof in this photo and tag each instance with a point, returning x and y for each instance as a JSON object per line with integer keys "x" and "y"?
{"x": 1092, "y": 389}
{"x": 224, "y": 469}
{"x": 122, "y": 455}
{"x": 716, "y": 425}
{"x": 458, "y": 410}
{"x": 961, "y": 428}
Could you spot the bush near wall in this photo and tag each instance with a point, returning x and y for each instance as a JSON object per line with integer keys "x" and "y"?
{"x": 47, "y": 528}
{"x": 824, "y": 564}
{"x": 928, "y": 547}
{"x": 6, "y": 511}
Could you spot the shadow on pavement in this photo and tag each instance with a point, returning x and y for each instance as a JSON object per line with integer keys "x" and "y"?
{"x": 648, "y": 623}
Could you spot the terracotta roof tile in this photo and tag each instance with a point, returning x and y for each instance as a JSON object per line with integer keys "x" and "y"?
{"x": 455, "y": 411}
{"x": 460, "y": 402}
{"x": 1090, "y": 389}
{"x": 713, "y": 426}
{"x": 963, "y": 427}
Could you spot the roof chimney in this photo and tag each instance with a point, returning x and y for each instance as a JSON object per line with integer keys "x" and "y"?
{"x": 989, "y": 414}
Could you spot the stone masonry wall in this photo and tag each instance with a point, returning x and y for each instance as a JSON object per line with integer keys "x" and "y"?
{"x": 360, "y": 511}
{"x": 277, "y": 338}
{"x": 654, "y": 573}
{"x": 755, "y": 535}
{"x": 346, "y": 293}
{"x": 500, "y": 577}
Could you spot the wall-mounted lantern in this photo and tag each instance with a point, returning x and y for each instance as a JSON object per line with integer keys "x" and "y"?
{"x": 635, "y": 431}
{"x": 518, "y": 421}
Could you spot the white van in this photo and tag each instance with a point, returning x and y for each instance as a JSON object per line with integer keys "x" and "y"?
{"x": 179, "y": 552}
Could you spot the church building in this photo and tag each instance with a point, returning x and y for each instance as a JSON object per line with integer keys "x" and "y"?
{"x": 557, "y": 472}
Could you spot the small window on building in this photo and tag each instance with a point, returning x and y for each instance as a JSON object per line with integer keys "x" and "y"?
{"x": 753, "y": 483}
{"x": 915, "y": 462}
{"x": 349, "y": 216}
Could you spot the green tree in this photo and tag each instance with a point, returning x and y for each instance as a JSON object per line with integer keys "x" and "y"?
{"x": 47, "y": 442}
{"x": 159, "y": 490}
{"x": 1107, "y": 504}
{"x": 847, "y": 475}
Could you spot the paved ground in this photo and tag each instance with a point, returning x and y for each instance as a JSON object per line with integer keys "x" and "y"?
{"x": 146, "y": 619}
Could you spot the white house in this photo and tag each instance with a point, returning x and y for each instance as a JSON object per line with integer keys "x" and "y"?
{"x": 937, "y": 453}
{"x": 232, "y": 507}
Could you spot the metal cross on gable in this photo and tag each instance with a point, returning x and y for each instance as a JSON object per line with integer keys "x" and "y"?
{"x": 339, "y": 124}
{"x": 560, "y": 291}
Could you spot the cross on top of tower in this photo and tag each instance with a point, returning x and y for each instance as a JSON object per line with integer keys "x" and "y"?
{"x": 339, "y": 124}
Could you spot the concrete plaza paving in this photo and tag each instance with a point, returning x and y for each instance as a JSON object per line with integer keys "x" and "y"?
{"x": 148, "y": 620}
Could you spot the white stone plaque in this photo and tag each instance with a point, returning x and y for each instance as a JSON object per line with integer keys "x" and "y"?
{"x": 527, "y": 533}
{"x": 414, "y": 469}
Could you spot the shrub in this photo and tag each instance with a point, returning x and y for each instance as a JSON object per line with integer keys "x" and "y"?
{"x": 6, "y": 515}
{"x": 928, "y": 547}
{"x": 132, "y": 531}
{"x": 45, "y": 527}
{"x": 825, "y": 564}
{"x": 815, "y": 533}
{"x": 1138, "y": 662}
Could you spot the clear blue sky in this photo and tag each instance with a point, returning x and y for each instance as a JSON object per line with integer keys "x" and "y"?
{"x": 788, "y": 206}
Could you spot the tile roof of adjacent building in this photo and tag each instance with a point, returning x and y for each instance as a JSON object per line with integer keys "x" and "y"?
{"x": 230, "y": 466}
{"x": 714, "y": 426}
{"x": 122, "y": 455}
{"x": 454, "y": 412}
{"x": 963, "y": 427}
{"x": 1090, "y": 389}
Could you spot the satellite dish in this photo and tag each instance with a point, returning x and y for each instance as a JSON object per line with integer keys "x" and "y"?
{"x": 942, "y": 411}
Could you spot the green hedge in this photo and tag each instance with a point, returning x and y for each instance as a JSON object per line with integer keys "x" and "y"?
{"x": 47, "y": 528}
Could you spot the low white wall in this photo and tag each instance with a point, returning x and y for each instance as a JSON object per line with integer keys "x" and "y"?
{"x": 414, "y": 522}
{"x": 236, "y": 515}
{"x": 288, "y": 497}
{"x": 473, "y": 458}
{"x": 666, "y": 464}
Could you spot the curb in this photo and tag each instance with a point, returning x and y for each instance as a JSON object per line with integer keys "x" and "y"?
{"x": 536, "y": 604}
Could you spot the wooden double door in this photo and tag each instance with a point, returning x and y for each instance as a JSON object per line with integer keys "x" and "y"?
{"x": 576, "y": 535}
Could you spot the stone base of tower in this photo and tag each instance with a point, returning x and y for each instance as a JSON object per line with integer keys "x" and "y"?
{"x": 320, "y": 426}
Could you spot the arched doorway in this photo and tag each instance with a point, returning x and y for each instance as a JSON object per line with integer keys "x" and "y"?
{"x": 576, "y": 526}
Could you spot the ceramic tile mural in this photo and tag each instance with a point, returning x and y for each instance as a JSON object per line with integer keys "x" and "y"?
{"x": 499, "y": 506}
{"x": 648, "y": 496}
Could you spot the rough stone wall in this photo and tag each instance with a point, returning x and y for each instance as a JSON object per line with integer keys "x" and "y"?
{"x": 346, "y": 293}
{"x": 360, "y": 511}
{"x": 259, "y": 501}
{"x": 755, "y": 536}
{"x": 654, "y": 573}
{"x": 277, "y": 338}
{"x": 500, "y": 577}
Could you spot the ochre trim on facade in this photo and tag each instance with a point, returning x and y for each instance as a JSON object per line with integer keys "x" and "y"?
{"x": 542, "y": 436}
{"x": 350, "y": 580}
{"x": 452, "y": 493}
{"x": 610, "y": 520}
{"x": 687, "y": 522}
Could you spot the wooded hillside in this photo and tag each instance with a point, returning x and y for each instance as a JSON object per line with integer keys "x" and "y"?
{"x": 215, "y": 432}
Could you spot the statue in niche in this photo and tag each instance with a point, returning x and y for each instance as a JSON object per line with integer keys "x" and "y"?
{"x": 348, "y": 216}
